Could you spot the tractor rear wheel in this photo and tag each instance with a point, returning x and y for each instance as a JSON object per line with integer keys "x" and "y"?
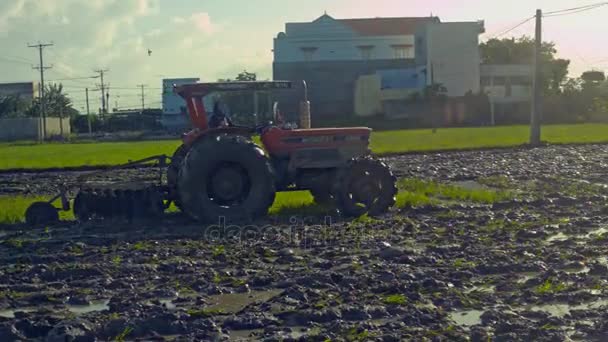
{"x": 173, "y": 172}
{"x": 322, "y": 196}
{"x": 226, "y": 176}
{"x": 365, "y": 186}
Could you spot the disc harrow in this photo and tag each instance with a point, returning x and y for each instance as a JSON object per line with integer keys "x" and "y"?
{"x": 110, "y": 200}
{"x": 119, "y": 203}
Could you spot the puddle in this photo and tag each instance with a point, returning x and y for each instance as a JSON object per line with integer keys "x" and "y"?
{"x": 576, "y": 270}
{"x": 246, "y": 335}
{"x": 525, "y": 276}
{"x": 168, "y": 303}
{"x": 561, "y": 310}
{"x": 93, "y": 307}
{"x": 559, "y": 237}
{"x": 234, "y": 302}
{"x": 597, "y": 233}
{"x": 467, "y": 318}
{"x": 75, "y": 309}
{"x": 482, "y": 288}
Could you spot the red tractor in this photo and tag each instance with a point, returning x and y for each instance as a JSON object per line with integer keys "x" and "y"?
{"x": 222, "y": 172}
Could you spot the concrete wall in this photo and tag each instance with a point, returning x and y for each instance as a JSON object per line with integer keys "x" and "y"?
{"x": 454, "y": 57}
{"x": 331, "y": 84}
{"x": 28, "y": 128}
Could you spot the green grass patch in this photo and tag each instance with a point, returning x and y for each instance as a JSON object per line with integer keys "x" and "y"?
{"x": 482, "y": 137}
{"x": 418, "y": 192}
{"x": 550, "y": 287}
{"x": 395, "y": 299}
{"x": 12, "y": 208}
{"x": 296, "y": 203}
{"x": 55, "y": 155}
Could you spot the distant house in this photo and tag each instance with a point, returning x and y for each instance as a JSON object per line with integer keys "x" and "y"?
{"x": 25, "y": 90}
{"x": 403, "y": 53}
{"x": 509, "y": 89}
{"x": 175, "y": 115}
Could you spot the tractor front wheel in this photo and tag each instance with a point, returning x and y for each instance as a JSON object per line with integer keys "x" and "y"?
{"x": 226, "y": 177}
{"x": 173, "y": 172}
{"x": 365, "y": 186}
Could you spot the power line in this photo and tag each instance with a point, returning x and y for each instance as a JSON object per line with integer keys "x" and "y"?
{"x": 576, "y": 9}
{"x": 10, "y": 60}
{"x": 504, "y": 32}
{"x": 73, "y": 78}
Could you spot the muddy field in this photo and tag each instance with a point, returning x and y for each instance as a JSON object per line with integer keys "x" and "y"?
{"x": 533, "y": 268}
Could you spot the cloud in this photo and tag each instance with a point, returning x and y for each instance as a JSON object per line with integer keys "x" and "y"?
{"x": 199, "y": 20}
{"x": 202, "y": 21}
{"x": 8, "y": 11}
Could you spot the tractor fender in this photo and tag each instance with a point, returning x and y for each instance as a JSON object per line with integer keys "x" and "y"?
{"x": 196, "y": 134}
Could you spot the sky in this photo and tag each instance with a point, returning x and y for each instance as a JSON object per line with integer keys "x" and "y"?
{"x": 219, "y": 38}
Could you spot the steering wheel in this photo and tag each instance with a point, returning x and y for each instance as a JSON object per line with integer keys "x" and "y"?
{"x": 261, "y": 128}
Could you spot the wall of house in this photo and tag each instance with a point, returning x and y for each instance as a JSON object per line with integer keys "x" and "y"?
{"x": 507, "y": 83}
{"x": 331, "y": 83}
{"x": 28, "y": 128}
{"x": 26, "y": 90}
{"x": 454, "y": 57}
{"x": 333, "y": 41}
{"x": 289, "y": 49}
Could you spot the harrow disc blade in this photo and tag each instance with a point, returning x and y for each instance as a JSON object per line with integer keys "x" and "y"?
{"x": 121, "y": 203}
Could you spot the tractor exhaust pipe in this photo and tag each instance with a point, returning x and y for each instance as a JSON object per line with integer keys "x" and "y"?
{"x": 305, "y": 109}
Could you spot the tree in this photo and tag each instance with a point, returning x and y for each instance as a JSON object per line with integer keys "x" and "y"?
{"x": 247, "y": 76}
{"x": 55, "y": 101}
{"x": 521, "y": 51}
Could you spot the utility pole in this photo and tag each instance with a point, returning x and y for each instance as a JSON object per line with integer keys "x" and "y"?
{"x": 102, "y": 87}
{"x": 88, "y": 112}
{"x": 143, "y": 103}
{"x": 537, "y": 104}
{"x": 41, "y": 67}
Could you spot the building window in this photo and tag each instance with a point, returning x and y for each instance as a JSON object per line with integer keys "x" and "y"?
{"x": 521, "y": 80}
{"x": 366, "y": 51}
{"x": 403, "y": 51}
{"x": 309, "y": 53}
{"x": 486, "y": 81}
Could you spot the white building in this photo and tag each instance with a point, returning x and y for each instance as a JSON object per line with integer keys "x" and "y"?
{"x": 328, "y": 39}
{"x": 175, "y": 113}
{"x": 453, "y": 56}
{"x": 333, "y": 54}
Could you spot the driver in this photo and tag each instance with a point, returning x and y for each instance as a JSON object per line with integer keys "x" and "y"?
{"x": 219, "y": 117}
